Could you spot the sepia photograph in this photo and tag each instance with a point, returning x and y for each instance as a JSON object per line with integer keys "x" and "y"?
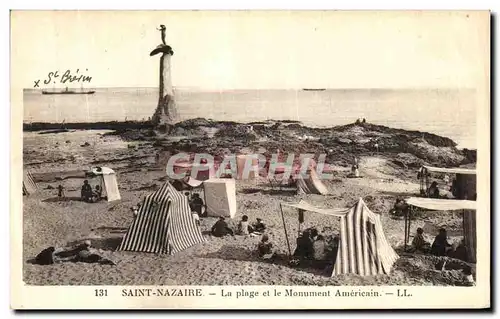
{"x": 326, "y": 149}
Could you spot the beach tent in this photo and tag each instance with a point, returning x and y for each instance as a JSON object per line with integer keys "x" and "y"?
{"x": 29, "y": 185}
{"x": 311, "y": 184}
{"x": 468, "y": 207}
{"x": 363, "y": 248}
{"x": 465, "y": 180}
{"x": 220, "y": 197}
{"x": 108, "y": 182}
{"x": 250, "y": 162}
{"x": 163, "y": 225}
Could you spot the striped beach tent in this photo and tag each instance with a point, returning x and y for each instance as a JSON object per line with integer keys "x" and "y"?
{"x": 29, "y": 185}
{"x": 363, "y": 247}
{"x": 163, "y": 225}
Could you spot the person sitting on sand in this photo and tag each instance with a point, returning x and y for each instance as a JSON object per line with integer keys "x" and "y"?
{"x": 86, "y": 193}
{"x": 319, "y": 248}
{"x": 460, "y": 252}
{"x": 196, "y": 204}
{"x": 419, "y": 243}
{"x": 265, "y": 248}
{"x": 244, "y": 227}
{"x": 304, "y": 248}
{"x": 433, "y": 191}
{"x": 259, "y": 226}
{"x": 221, "y": 229}
{"x": 440, "y": 244}
{"x": 97, "y": 194}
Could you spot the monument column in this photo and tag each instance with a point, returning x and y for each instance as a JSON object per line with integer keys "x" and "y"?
{"x": 166, "y": 111}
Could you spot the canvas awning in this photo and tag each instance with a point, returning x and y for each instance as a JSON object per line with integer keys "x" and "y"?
{"x": 441, "y": 204}
{"x": 450, "y": 170}
{"x": 102, "y": 170}
{"x": 303, "y": 205}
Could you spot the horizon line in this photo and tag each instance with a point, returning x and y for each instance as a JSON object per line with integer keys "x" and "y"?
{"x": 319, "y": 89}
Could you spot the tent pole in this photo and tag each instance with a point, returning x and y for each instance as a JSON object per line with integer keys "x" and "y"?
{"x": 409, "y": 223}
{"x": 286, "y": 234}
{"x": 406, "y": 227}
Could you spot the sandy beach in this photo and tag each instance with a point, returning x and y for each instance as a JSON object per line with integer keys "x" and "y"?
{"x": 386, "y": 175}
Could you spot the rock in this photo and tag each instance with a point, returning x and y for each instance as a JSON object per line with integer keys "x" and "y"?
{"x": 344, "y": 140}
{"x": 407, "y": 160}
{"x": 49, "y": 187}
{"x": 85, "y": 144}
{"x": 68, "y": 141}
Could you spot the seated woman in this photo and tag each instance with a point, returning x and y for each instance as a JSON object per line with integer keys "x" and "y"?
{"x": 440, "y": 244}
{"x": 433, "y": 191}
{"x": 419, "y": 244}
{"x": 304, "y": 248}
{"x": 265, "y": 248}
{"x": 221, "y": 228}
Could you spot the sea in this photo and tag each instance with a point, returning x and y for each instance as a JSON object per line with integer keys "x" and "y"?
{"x": 446, "y": 112}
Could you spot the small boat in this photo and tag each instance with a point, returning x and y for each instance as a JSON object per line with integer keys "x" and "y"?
{"x": 67, "y": 91}
{"x": 313, "y": 89}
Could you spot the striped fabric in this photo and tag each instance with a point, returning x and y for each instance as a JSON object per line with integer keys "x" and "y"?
{"x": 363, "y": 249}
{"x": 470, "y": 235}
{"x": 164, "y": 224}
{"x": 29, "y": 185}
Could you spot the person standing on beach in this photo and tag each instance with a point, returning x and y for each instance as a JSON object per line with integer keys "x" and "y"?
{"x": 60, "y": 191}
{"x": 86, "y": 192}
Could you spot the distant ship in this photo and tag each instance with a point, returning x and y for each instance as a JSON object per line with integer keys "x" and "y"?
{"x": 67, "y": 91}
{"x": 313, "y": 89}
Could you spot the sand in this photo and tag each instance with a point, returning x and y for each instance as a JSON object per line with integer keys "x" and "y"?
{"x": 231, "y": 260}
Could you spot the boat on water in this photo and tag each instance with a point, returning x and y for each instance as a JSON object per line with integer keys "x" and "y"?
{"x": 67, "y": 91}
{"x": 313, "y": 89}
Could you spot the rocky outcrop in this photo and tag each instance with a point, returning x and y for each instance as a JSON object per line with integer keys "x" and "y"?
{"x": 407, "y": 149}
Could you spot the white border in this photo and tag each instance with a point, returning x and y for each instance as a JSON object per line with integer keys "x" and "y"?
{"x": 145, "y": 4}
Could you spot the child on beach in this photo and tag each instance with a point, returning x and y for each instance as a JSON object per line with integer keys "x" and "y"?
{"x": 265, "y": 248}
{"x": 244, "y": 227}
{"x": 259, "y": 226}
{"x": 419, "y": 243}
{"x": 60, "y": 191}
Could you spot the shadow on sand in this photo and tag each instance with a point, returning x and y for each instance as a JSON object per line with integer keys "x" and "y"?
{"x": 283, "y": 192}
{"x": 105, "y": 243}
{"x": 62, "y": 199}
{"x": 236, "y": 253}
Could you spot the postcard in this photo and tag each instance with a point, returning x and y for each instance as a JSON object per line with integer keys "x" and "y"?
{"x": 250, "y": 159}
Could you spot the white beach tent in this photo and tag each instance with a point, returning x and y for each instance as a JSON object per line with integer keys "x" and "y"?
{"x": 468, "y": 207}
{"x": 363, "y": 247}
{"x": 311, "y": 184}
{"x": 247, "y": 166}
{"x": 29, "y": 185}
{"x": 108, "y": 181}
{"x": 220, "y": 197}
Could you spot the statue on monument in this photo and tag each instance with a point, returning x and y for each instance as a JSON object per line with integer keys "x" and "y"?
{"x": 166, "y": 111}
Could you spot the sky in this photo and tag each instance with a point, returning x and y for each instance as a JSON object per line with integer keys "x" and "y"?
{"x": 219, "y": 50}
